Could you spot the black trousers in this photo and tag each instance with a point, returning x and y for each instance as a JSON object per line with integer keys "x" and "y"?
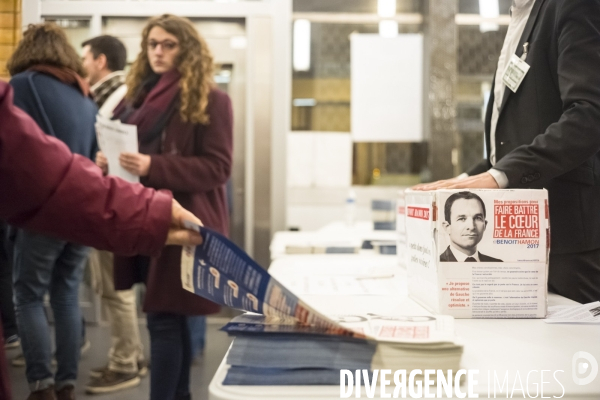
{"x": 171, "y": 355}
{"x": 576, "y": 276}
{"x": 7, "y": 308}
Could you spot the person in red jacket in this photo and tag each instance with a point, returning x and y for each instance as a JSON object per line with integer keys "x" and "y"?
{"x": 185, "y": 131}
{"x": 56, "y": 192}
{"x": 48, "y": 81}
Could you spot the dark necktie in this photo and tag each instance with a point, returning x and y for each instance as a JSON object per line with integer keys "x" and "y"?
{"x": 470, "y": 259}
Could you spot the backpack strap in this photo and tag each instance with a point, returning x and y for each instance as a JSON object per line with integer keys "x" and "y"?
{"x": 38, "y": 101}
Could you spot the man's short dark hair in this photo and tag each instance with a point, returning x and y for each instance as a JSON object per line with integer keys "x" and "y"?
{"x": 112, "y": 48}
{"x": 458, "y": 196}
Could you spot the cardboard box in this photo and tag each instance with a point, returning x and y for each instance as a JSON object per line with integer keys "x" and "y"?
{"x": 506, "y": 234}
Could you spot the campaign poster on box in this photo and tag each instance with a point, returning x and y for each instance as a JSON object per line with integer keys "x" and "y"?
{"x": 493, "y": 226}
{"x": 490, "y": 252}
{"x": 493, "y": 253}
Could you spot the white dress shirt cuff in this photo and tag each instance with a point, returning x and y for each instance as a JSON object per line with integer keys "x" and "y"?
{"x": 464, "y": 175}
{"x": 499, "y": 177}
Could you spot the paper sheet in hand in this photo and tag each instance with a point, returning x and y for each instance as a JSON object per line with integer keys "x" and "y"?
{"x": 115, "y": 138}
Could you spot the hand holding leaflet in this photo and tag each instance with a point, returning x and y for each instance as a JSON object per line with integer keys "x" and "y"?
{"x": 179, "y": 234}
{"x": 115, "y": 138}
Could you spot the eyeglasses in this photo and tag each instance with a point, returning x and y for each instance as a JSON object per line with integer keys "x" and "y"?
{"x": 165, "y": 44}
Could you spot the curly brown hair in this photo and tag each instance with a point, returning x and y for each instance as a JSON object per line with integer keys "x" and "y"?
{"x": 194, "y": 62}
{"x": 46, "y": 44}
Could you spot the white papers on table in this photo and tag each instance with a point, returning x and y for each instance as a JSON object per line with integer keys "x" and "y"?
{"x": 115, "y": 138}
{"x": 377, "y": 285}
{"x": 581, "y": 314}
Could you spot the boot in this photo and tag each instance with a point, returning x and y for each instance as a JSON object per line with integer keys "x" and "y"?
{"x": 66, "y": 393}
{"x": 44, "y": 394}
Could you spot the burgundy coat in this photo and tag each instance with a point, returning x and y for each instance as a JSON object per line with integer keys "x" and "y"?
{"x": 195, "y": 164}
{"x": 47, "y": 189}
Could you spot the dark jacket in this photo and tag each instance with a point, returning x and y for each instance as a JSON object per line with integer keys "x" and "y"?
{"x": 5, "y": 391}
{"x": 448, "y": 256}
{"x": 59, "y": 109}
{"x": 195, "y": 164}
{"x": 52, "y": 191}
{"x": 548, "y": 132}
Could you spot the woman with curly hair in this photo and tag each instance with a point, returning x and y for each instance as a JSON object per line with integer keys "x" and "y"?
{"x": 185, "y": 132}
{"x": 47, "y": 77}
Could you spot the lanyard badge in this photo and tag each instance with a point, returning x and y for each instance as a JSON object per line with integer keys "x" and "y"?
{"x": 516, "y": 70}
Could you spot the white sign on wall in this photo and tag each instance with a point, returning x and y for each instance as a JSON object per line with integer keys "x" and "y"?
{"x": 387, "y": 88}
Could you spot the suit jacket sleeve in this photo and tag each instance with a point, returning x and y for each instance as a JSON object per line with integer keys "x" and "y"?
{"x": 575, "y": 137}
{"x": 479, "y": 168}
{"x": 55, "y": 192}
{"x": 210, "y": 166}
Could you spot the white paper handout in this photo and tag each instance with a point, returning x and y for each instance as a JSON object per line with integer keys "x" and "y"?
{"x": 579, "y": 314}
{"x": 115, "y": 138}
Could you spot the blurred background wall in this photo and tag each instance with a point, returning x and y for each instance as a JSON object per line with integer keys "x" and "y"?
{"x": 289, "y": 65}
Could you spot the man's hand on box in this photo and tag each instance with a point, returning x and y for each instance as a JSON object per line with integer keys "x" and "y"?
{"x": 481, "y": 181}
{"x": 427, "y": 186}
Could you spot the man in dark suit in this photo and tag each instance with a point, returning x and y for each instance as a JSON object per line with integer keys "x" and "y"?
{"x": 545, "y": 132}
{"x": 465, "y": 223}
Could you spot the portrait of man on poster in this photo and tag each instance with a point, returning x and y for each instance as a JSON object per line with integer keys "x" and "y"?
{"x": 465, "y": 223}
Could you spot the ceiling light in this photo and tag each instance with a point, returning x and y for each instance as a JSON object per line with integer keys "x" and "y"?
{"x": 386, "y": 8}
{"x": 301, "y": 54}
